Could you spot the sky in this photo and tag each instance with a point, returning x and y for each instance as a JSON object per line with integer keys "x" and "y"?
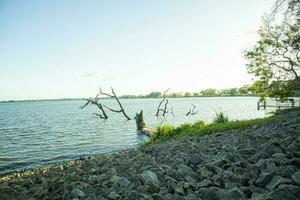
{"x": 68, "y": 48}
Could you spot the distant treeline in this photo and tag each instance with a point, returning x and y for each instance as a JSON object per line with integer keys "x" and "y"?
{"x": 242, "y": 91}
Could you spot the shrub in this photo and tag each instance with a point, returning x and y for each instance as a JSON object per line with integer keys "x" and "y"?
{"x": 220, "y": 118}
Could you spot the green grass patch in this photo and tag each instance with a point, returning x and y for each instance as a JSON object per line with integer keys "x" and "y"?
{"x": 166, "y": 132}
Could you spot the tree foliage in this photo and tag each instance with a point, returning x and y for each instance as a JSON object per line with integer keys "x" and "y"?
{"x": 275, "y": 59}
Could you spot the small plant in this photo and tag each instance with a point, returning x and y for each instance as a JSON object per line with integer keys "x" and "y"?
{"x": 220, "y": 118}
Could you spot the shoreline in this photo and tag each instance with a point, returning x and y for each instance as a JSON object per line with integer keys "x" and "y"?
{"x": 262, "y": 161}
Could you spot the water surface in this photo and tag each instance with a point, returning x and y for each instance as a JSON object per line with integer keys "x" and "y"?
{"x": 38, "y": 133}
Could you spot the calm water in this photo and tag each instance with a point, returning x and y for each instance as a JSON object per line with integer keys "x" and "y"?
{"x": 38, "y": 133}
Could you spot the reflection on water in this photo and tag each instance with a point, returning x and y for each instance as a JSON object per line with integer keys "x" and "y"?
{"x": 37, "y": 133}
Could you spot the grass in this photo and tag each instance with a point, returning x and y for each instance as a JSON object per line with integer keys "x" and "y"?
{"x": 220, "y": 118}
{"x": 220, "y": 124}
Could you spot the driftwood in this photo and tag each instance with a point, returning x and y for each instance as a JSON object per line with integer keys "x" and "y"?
{"x": 103, "y": 115}
{"x": 163, "y": 110}
{"x": 192, "y": 111}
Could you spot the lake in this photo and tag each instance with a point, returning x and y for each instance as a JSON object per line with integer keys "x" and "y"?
{"x": 39, "y": 133}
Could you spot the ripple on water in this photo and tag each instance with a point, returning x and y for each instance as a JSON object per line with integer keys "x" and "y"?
{"x": 38, "y": 133}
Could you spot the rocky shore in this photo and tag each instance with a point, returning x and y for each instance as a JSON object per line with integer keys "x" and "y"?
{"x": 260, "y": 162}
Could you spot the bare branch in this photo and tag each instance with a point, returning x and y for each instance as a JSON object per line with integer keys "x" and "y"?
{"x": 160, "y": 103}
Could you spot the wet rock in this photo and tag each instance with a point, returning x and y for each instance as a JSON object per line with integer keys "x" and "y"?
{"x": 263, "y": 179}
{"x": 77, "y": 193}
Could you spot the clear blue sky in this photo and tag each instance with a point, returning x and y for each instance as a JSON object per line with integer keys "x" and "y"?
{"x": 67, "y": 48}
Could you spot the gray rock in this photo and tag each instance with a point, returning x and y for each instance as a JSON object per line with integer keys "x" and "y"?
{"x": 247, "y": 152}
{"x": 266, "y": 165}
{"x": 263, "y": 179}
{"x": 77, "y": 193}
{"x": 205, "y": 183}
{"x": 179, "y": 190}
{"x": 296, "y": 178}
{"x": 233, "y": 194}
{"x": 4, "y": 186}
{"x": 286, "y": 192}
{"x": 184, "y": 169}
{"x": 276, "y": 181}
{"x": 296, "y": 161}
{"x": 113, "y": 195}
{"x": 148, "y": 177}
{"x": 286, "y": 171}
{"x": 204, "y": 172}
{"x": 194, "y": 160}
{"x": 124, "y": 182}
{"x": 209, "y": 193}
{"x": 280, "y": 158}
{"x": 115, "y": 179}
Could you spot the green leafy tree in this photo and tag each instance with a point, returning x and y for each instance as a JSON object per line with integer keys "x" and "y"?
{"x": 275, "y": 59}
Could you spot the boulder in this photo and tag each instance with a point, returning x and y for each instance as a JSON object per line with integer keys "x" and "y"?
{"x": 77, "y": 193}
{"x": 263, "y": 179}
{"x": 149, "y": 177}
{"x": 296, "y": 178}
{"x": 276, "y": 181}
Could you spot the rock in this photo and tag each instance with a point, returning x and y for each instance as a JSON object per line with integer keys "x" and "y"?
{"x": 233, "y": 194}
{"x": 296, "y": 161}
{"x": 184, "y": 169}
{"x": 269, "y": 149}
{"x": 179, "y": 190}
{"x": 124, "y": 182}
{"x": 286, "y": 192}
{"x": 113, "y": 195}
{"x": 77, "y": 193}
{"x": 280, "y": 158}
{"x": 296, "y": 178}
{"x": 194, "y": 160}
{"x": 204, "y": 172}
{"x": 286, "y": 171}
{"x": 205, "y": 183}
{"x": 209, "y": 193}
{"x": 4, "y": 186}
{"x": 148, "y": 177}
{"x": 276, "y": 181}
{"x": 266, "y": 165}
{"x": 247, "y": 152}
{"x": 263, "y": 179}
{"x": 114, "y": 179}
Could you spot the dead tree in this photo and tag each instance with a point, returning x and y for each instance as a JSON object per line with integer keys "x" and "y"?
{"x": 96, "y": 102}
{"x": 163, "y": 110}
{"x": 139, "y": 119}
{"x": 192, "y": 111}
{"x": 114, "y": 96}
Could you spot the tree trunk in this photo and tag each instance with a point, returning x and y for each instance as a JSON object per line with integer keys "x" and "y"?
{"x": 139, "y": 119}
